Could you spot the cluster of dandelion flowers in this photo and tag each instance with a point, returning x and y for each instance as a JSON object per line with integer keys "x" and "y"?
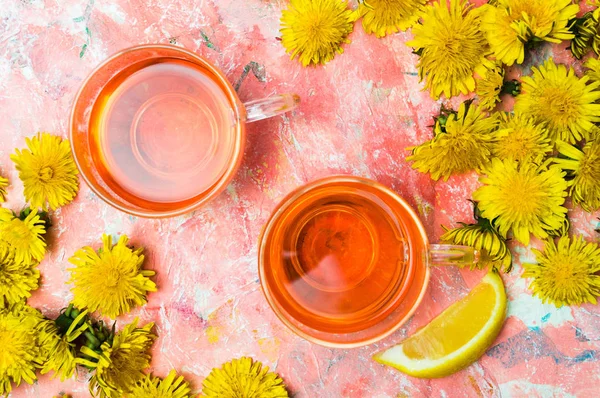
{"x": 120, "y": 364}
{"x": 489, "y": 87}
{"x": 110, "y": 280}
{"x": 17, "y": 279}
{"x": 20, "y": 355}
{"x": 525, "y": 198}
{"x": 315, "y": 30}
{"x": 3, "y": 185}
{"x": 566, "y": 273}
{"x": 243, "y": 378}
{"x": 25, "y": 237}
{"x": 565, "y": 103}
{"x": 171, "y": 386}
{"x": 584, "y": 167}
{"x": 384, "y": 17}
{"x": 462, "y": 144}
{"x": 451, "y": 48}
{"x": 520, "y": 138}
{"x": 48, "y": 171}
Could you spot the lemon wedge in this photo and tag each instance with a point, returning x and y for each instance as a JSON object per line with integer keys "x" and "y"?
{"x": 455, "y": 338}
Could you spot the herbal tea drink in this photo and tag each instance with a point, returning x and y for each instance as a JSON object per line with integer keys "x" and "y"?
{"x": 157, "y": 131}
{"x": 344, "y": 261}
{"x": 160, "y": 125}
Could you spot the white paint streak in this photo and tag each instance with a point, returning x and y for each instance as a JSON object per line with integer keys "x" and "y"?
{"x": 115, "y": 227}
{"x": 166, "y": 321}
{"x": 530, "y": 310}
{"x": 523, "y": 388}
{"x": 27, "y": 72}
{"x": 72, "y": 20}
{"x": 201, "y": 297}
{"x": 524, "y": 254}
{"x": 112, "y": 10}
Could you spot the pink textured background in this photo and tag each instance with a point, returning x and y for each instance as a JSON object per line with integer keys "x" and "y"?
{"x": 358, "y": 114}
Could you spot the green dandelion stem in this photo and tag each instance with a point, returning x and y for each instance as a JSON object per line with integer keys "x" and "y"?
{"x": 92, "y": 342}
{"x": 68, "y": 311}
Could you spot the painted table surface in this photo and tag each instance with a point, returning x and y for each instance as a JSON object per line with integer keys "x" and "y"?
{"x": 358, "y": 115}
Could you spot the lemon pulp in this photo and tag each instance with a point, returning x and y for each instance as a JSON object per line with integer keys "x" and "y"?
{"x": 455, "y": 338}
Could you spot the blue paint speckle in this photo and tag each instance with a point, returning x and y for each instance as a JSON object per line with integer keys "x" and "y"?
{"x": 534, "y": 328}
{"x": 531, "y": 344}
{"x": 579, "y": 335}
{"x": 546, "y": 317}
{"x": 587, "y": 355}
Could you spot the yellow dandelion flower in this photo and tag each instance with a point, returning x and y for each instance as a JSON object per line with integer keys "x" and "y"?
{"x": 111, "y": 280}
{"x": 564, "y": 102}
{"x": 489, "y": 87}
{"x": 384, "y": 17}
{"x": 3, "y": 185}
{"x": 59, "y": 350}
{"x": 243, "y": 378}
{"x": 155, "y": 387}
{"x": 48, "y": 171}
{"x": 25, "y": 237}
{"x": 451, "y": 48}
{"x": 525, "y": 198}
{"x": 593, "y": 69}
{"x": 484, "y": 237}
{"x": 594, "y": 133}
{"x": 464, "y": 143}
{"x": 584, "y": 167}
{"x": 522, "y": 139}
{"x": 547, "y": 19}
{"x": 17, "y": 280}
{"x": 120, "y": 365}
{"x": 510, "y": 24}
{"x": 506, "y": 36}
{"x": 587, "y": 35}
{"x": 563, "y": 230}
{"x": 315, "y": 30}
{"x": 20, "y": 353}
{"x": 566, "y": 273}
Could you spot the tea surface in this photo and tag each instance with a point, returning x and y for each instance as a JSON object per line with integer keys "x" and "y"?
{"x": 338, "y": 258}
{"x": 163, "y": 131}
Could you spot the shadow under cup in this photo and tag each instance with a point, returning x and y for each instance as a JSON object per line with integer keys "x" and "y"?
{"x": 161, "y": 151}
{"x": 343, "y": 261}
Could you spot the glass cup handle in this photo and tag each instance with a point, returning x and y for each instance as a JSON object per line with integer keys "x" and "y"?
{"x": 452, "y": 255}
{"x": 269, "y": 107}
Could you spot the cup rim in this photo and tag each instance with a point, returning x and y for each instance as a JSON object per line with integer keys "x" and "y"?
{"x": 228, "y": 174}
{"x": 290, "y": 199}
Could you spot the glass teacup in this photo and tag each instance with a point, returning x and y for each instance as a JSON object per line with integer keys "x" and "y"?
{"x": 344, "y": 261}
{"x": 157, "y": 131}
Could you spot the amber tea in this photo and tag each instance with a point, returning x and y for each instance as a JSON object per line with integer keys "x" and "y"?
{"x": 337, "y": 258}
{"x": 162, "y": 131}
